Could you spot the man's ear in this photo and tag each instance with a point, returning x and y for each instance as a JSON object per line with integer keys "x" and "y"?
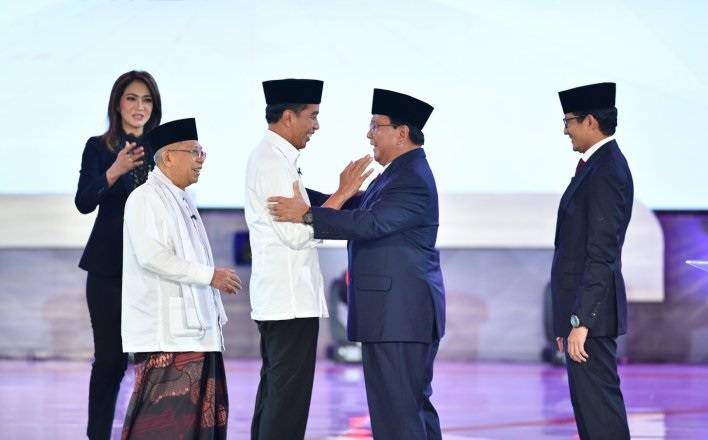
{"x": 403, "y": 133}
{"x": 167, "y": 158}
{"x": 287, "y": 117}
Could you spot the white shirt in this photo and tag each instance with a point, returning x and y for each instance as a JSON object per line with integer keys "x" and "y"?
{"x": 590, "y": 151}
{"x": 167, "y": 302}
{"x": 286, "y": 281}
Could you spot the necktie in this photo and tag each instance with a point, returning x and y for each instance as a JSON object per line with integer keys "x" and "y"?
{"x": 579, "y": 166}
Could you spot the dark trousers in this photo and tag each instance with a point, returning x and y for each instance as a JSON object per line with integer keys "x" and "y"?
{"x": 103, "y": 296}
{"x": 398, "y": 378}
{"x": 595, "y": 392}
{"x": 288, "y": 352}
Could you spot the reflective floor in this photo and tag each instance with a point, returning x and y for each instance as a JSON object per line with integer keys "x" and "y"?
{"x": 501, "y": 401}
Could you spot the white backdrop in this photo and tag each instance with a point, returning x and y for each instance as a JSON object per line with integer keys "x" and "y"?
{"x": 491, "y": 69}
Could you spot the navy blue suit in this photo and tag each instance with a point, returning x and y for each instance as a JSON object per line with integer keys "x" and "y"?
{"x": 103, "y": 260}
{"x": 586, "y": 280}
{"x": 396, "y": 295}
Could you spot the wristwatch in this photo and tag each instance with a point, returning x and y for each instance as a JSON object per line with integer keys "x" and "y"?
{"x": 574, "y": 321}
{"x": 307, "y": 218}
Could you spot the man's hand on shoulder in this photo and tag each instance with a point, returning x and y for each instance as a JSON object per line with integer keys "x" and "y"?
{"x": 288, "y": 209}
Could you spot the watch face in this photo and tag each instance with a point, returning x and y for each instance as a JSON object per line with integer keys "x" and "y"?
{"x": 307, "y": 218}
{"x": 574, "y": 321}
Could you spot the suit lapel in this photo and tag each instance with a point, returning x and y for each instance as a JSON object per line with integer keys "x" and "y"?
{"x": 380, "y": 181}
{"x": 370, "y": 190}
{"x": 577, "y": 180}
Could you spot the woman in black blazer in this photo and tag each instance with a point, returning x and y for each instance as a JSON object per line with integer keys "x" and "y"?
{"x": 112, "y": 165}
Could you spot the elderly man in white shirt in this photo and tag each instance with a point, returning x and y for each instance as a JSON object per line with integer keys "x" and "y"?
{"x": 286, "y": 291}
{"x": 172, "y": 312}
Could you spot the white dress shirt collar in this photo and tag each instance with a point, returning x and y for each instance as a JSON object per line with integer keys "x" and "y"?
{"x": 281, "y": 144}
{"x": 590, "y": 151}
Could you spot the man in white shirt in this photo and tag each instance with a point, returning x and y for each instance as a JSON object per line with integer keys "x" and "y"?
{"x": 286, "y": 291}
{"x": 171, "y": 308}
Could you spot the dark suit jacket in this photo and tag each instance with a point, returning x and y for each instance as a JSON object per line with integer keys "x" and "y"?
{"x": 396, "y": 290}
{"x": 586, "y": 276}
{"x": 103, "y": 254}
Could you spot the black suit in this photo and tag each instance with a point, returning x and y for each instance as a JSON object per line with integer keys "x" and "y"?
{"x": 103, "y": 260}
{"x": 586, "y": 280}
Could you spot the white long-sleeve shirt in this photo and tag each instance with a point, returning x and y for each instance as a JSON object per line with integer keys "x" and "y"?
{"x": 286, "y": 281}
{"x": 168, "y": 304}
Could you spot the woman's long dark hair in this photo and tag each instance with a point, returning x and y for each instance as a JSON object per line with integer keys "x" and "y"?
{"x": 112, "y": 137}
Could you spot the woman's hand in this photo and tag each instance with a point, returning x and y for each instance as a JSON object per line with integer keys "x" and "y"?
{"x": 128, "y": 158}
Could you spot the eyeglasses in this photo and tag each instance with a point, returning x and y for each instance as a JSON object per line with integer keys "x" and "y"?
{"x": 565, "y": 120}
{"x": 196, "y": 153}
{"x": 373, "y": 126}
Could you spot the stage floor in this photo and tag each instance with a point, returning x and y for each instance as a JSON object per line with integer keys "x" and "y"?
{"x": 501, "y": 401}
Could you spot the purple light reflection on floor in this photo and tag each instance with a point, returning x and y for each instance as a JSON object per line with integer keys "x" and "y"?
{"x": 481, "y": 401}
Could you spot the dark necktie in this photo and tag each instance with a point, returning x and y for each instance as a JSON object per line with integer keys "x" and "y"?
{"x": 579, "y": 166}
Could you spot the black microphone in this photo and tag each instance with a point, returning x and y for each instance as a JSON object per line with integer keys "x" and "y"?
{"x": 193, "y": 217}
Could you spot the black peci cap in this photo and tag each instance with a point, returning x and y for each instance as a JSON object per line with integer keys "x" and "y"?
{"x": 172, "y": 132}
{"x": 588, "y": 97}
{"x": 397, "y": 105}
{"x": 293, "y": 91}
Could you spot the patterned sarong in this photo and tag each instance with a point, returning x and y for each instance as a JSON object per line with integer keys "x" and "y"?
{"x": 179, "y": 396}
